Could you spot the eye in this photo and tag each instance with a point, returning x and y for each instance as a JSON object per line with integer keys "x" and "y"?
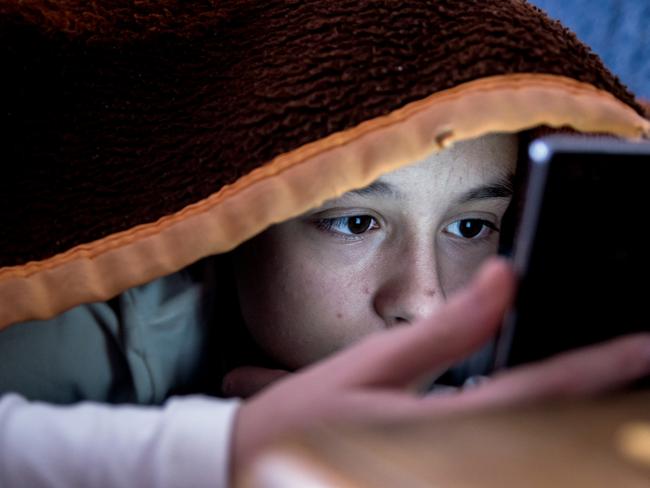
{"x": 353, "y": 225}
{"x": 471, "y": 228}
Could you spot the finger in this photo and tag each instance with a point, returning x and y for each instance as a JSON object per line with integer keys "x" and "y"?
{"x": 246, "y": 381}
{"x": 586, "y": 372}
{"x": 402, "y": 355}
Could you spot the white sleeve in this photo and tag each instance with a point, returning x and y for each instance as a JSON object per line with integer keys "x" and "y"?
{"x": 184, "y": 443}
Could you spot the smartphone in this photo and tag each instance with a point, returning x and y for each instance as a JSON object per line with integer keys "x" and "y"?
{"x": 580, "y": 245}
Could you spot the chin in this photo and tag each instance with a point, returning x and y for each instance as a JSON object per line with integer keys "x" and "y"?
{"x": 291, "y": 361}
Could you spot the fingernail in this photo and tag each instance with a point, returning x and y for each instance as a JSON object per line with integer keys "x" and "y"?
{"x": 474, "y": 381}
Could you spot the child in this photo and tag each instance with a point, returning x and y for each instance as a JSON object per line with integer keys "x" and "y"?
{"x": 146, "y": 139}
{"x": 378, "y": 257}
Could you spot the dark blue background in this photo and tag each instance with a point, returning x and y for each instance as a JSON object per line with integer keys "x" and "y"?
{"x": 617, "y": 30}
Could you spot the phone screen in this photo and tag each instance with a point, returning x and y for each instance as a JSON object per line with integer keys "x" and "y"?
{"x": 581, "y": 248}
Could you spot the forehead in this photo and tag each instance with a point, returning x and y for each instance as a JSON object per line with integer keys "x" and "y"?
{"x": 469, "y": 163}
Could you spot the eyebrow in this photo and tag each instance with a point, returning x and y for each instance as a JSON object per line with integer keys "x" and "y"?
{"x": 377, "y": 188}
{"x": 502, "y": 188}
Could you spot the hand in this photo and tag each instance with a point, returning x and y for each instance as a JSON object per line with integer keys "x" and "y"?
{"x": 369, "y": 380}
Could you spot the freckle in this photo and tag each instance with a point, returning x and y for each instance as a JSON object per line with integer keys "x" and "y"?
{"x": 339, "y": 315}
{"x": 429, "y": 293}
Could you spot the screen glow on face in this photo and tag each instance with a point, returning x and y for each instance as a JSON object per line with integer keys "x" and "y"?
{"x": 376, "y": 257}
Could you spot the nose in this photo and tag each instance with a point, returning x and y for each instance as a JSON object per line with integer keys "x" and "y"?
{"x": 410, "y": 288}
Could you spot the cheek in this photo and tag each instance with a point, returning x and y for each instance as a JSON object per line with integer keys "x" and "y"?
{"x": 457, "y": 265}
{"x": 300, "y": 310}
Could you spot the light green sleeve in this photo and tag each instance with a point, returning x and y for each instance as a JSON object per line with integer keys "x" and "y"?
{"x": 141, "y": 347}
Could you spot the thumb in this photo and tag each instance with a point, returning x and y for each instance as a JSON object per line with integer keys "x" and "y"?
{"x": 246, "y": 381}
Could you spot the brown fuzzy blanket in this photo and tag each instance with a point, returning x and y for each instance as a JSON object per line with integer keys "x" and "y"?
{"x": 117, "y": 113}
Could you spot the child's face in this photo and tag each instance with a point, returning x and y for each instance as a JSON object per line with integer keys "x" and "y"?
{"x": 379, "y": 257}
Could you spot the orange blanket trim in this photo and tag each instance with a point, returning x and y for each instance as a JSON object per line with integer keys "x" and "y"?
{"x": 288, "y": 186}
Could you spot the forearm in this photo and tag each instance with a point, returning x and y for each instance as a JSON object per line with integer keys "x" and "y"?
{"x": 184, "y": 443}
